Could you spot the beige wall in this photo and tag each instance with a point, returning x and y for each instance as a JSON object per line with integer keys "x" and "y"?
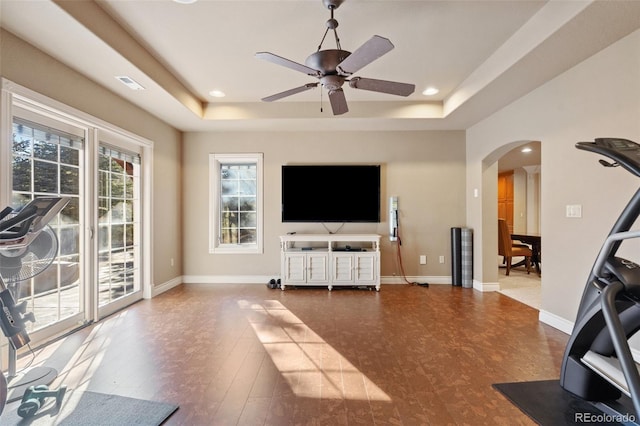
{"x": 599, "y": 97}
{"x": 424, "y": 169}
{"x": 31, "y": 68}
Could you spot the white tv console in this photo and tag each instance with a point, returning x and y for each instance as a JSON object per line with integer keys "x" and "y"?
{"x": 330, "y": 259}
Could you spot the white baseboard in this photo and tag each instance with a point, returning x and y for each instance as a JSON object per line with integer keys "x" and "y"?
{"x": 262, "y": 279}
{"x": 555, "y": 321}
{"x": 161, "y": 288}
{"x": 226, "y": 279}
{"x": 259, "y": 279}
{"x": 417, "y": 279}
{"x": 485, "y": 287}
{"x": 477, "y": 285}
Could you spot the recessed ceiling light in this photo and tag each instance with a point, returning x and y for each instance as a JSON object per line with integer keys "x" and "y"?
{"x": 526, "y": 150}
{"x": 217, "y": 93}
{"x": 129, "y": 82}
{"x": 185, "y": 1}
{"x": 430, "y": 91}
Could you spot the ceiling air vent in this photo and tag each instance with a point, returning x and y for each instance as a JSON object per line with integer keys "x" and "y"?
{"x": 129, "y": 82}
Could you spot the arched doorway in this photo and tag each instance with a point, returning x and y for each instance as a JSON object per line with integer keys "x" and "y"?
{"x": 519, "y": 204}
{"x": 519, "y": 195}
{"x": 489, "y": 190}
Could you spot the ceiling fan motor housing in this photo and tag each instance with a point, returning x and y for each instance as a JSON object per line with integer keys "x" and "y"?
{"x": 326, "y": 61}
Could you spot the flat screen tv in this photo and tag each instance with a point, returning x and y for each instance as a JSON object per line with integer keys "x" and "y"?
{"x": 331, "y": 193}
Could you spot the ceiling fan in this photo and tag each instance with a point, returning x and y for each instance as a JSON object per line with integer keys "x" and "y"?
{"x": 334, "y": 67}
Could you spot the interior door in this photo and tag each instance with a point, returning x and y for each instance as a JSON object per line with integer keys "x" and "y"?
{"x": 505, "y": 197}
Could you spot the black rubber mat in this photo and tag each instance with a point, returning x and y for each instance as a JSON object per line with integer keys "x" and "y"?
{"x": 550, "y": 405}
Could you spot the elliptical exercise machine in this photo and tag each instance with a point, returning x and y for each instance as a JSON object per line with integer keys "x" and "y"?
{"x": 27, "y": 248}
{"x": 598, "y": 365}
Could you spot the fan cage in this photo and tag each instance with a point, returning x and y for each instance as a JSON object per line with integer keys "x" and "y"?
{"x": 20, "y": 264}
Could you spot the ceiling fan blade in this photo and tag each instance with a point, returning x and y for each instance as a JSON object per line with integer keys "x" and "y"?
{"x": 279, "y": 60}
{"x": 338, "y": 102}
{"x": 290, "y": 92}
{"x": 371, "y": 50}
{"x": 383, "y": 86}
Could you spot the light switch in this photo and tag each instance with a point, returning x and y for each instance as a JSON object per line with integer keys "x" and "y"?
{"x": 574, "y": 210}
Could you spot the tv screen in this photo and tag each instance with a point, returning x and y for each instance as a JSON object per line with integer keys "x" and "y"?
{"x": 331, "y": 193}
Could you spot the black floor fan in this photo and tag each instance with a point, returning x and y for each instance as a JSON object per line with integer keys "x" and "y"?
{"x": 28, "y": 247}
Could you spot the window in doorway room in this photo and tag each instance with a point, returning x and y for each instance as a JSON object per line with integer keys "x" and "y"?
{"x": 236, "y": 203}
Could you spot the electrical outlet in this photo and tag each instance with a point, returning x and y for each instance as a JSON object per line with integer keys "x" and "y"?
{"x": 441, "y": 259}
{"x": 423, "y": 259}
{"x": 172, "y": 262}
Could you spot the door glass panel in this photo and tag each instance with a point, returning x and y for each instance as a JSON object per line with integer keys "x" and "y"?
{"x": 46, "y": 161}
{"x": 119, "y": 227}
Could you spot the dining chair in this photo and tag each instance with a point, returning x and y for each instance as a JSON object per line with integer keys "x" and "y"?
{"x": 509, "y": 250}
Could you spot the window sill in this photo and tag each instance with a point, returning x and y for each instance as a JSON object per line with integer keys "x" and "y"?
{"x": 235, "y": 250}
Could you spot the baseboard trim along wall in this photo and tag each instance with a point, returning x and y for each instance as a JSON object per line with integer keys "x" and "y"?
{"x": 168, "y": 285}
{"x": 262, "y": 279}
{"x": 480, "y": 286}
{"x": 416, "y": 279}
{"x": 555, "y": 321}
{"x": 226, "y": 279}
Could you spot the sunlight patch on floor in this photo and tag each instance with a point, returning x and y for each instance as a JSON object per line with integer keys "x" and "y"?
{"x": 311, "y": 366}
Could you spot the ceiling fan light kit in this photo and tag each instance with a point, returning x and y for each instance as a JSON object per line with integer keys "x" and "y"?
{"x": 334, "y": 67}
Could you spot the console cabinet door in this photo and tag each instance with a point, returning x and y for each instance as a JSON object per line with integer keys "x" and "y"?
{"x": 317, "y": 268}
{"x": 365, "y": 268}
{"x": 295, "y": 268}
{"x": 343, "y": 268}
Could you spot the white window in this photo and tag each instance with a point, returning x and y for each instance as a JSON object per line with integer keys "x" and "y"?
{"x": 236, "y": 203}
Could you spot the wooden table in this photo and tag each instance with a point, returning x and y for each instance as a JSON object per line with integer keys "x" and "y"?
{"x": 534, "y": 240}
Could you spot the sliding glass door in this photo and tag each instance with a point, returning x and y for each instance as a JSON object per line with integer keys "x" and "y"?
{"x": 98, "y": 267}
{"x": 119, "y": 211}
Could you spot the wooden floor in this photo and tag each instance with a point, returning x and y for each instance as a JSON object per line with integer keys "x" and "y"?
{"x": 249, "y": 355}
